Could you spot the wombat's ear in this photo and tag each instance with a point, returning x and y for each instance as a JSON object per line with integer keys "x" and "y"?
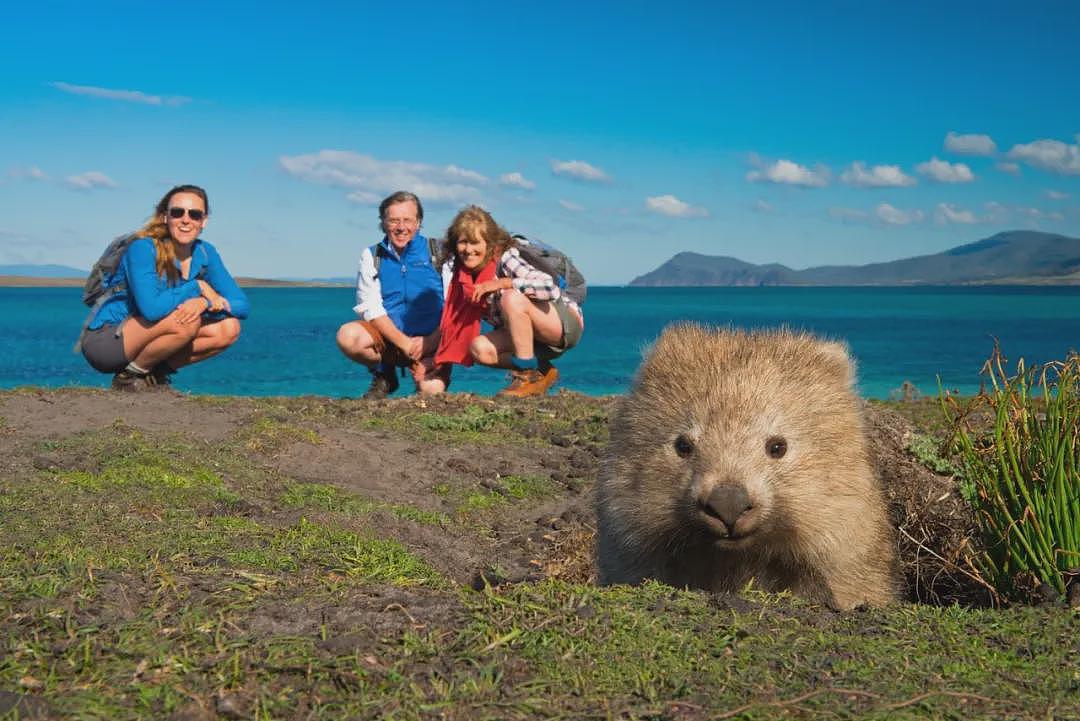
{"x": 836, "y": 358}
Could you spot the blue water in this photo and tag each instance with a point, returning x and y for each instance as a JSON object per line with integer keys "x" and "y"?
{"x": 287, "y": 346}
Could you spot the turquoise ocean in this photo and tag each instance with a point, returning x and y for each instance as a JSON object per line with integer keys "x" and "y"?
{"x": 915, "y": 334}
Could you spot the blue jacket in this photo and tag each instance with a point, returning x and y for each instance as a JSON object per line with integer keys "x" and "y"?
{"x": 151, "y": 296}
{"x": 412, "y": 288}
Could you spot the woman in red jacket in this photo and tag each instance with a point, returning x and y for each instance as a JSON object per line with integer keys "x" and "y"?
{"x": 533, "y": 321}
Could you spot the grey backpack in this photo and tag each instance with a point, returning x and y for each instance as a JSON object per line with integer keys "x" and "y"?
{"x": 555, "y": 263}
{"x": 94, "y": 291}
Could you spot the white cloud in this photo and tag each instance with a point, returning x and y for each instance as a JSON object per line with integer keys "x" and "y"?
{"x": 762, "y": 206}
{"x": 1037, "y": 214}
{"x": 1052, "y": 155}
{"x": 879, "y": 176}
{"x": 517, "y": 180}
{"x": 1056, "y": 195}
{"x": 947, "y": 213}
{"x": 671, "y": 206}
{"x": 1010, "y": 168}
{"x": 570, "y": 205}
{"x": 579, "y": 170}
{"x": 467, "y": 176}
{"x": 90, "y": 180}
{"x": 945, "y": 172}
{"x": 128, "y": 96}
{"x": 849, "y": 215}
{"x": 894, "y": 216}
{"x": 29, "y": 173}
{"x": 787, "y": 172}
{"x": 970, "y": 144}
{"x": 369, "y": 179}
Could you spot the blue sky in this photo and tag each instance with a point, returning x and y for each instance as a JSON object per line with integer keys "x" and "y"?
{"x": 801, "y": 133}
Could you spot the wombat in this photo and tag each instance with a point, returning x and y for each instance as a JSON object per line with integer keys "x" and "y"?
{"x": 740, "y": 456}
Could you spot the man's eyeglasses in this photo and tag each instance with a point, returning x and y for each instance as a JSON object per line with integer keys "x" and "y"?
{"x": 193, "y": 213}
{"x": 394, "y": 222}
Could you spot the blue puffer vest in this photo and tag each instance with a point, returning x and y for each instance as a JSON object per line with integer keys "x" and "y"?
{"x": 412, "y": 289}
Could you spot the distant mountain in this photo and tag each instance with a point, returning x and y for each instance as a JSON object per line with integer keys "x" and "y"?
{"x": 1017, "y": 256}
{"x": 43, "y": 271}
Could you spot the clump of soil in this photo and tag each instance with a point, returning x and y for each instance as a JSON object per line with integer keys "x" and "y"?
{"x": 935, "y": 526}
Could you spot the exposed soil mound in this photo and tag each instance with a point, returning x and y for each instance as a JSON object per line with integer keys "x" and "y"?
{"x": 935, "y": 526}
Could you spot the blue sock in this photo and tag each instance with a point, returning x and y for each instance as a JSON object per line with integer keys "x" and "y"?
{"x": 523, "y": 364}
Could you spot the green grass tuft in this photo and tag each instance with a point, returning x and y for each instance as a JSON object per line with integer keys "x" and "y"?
{"x": 370, "y": 559}
{"x": 1022, "y": 473}
{"x": 929, "y": 452}
{"x": 328, "y": 498}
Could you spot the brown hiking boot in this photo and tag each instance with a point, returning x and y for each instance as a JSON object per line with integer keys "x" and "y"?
{"x": 130, "y": 382}
{"x": 160, "y": 377}
{"x": 382, "y": 385}
{"x": 529, "y": 383}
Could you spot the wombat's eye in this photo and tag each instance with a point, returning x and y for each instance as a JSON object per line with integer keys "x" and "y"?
{"x": 684, "y": 446}
{"x": 776, "y": 447}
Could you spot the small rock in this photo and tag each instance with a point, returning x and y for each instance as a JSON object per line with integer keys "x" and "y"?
{"x": 486, "y": 577}
{"x": 44, "y": 463}
{"x": 31, "y": 683}
{"x": 559, "y": 440}
{"x": 229, "y": 705}
{"x": 1074, "y": 594}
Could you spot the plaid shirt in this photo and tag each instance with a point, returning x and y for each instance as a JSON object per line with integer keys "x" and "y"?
{"x": 528, "y": 280}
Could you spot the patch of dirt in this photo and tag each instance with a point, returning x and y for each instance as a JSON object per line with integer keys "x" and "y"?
{"x": 360, "y": 619}
{"x": 39, "y": 414}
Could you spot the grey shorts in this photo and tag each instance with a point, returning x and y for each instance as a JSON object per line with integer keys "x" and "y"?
{"x": 571, "y": 333}
{"x": 103, "y": 348}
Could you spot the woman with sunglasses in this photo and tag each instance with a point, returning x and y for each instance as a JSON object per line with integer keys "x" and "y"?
{"x": 171, "y": 302}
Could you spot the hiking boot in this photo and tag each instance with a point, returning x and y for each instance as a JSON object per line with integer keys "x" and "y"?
{"x": 382, "y": 385}
{"x": 530, "y": 382}
{"x": 161, "y": 376}
{"x": 127, "y": 381}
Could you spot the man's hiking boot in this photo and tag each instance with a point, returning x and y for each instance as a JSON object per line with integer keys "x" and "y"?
{"x": 530, "y": 382}
{"x": 382, "y": 385}
{"x": 130, "y": 382}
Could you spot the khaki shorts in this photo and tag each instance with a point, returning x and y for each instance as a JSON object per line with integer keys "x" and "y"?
{"x": 391, "y": 355}
{"x": 571, "y": 333}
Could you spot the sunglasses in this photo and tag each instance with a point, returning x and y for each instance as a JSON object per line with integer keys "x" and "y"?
{"x": 193, "y": 213}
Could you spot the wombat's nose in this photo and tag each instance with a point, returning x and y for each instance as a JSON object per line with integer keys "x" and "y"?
{"x": 728, "y": 502}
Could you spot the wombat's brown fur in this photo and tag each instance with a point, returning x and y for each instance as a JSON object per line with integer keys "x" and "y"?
{"x": 741, "y": 456}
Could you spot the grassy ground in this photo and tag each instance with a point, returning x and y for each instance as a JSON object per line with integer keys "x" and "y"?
{"x": 145, "y": 573}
